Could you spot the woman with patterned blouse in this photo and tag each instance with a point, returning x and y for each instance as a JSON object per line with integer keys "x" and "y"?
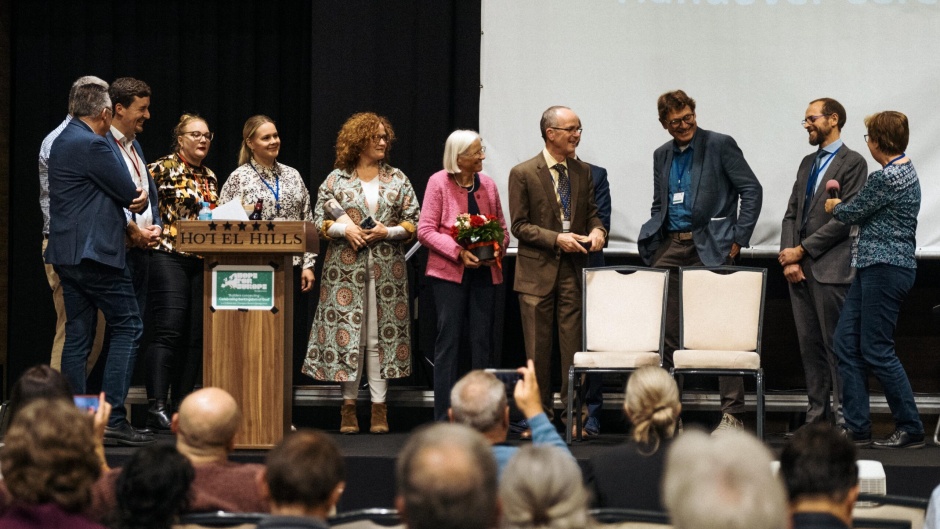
{"x": 175, "y": 354}
{"x": 368, "y": 212}
{"x": 885, "y": 211}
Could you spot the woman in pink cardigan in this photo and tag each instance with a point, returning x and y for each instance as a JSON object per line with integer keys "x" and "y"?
{"x": 463, "y": 286}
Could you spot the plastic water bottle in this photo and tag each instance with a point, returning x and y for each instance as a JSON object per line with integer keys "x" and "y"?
{"x": 205, "y": 213}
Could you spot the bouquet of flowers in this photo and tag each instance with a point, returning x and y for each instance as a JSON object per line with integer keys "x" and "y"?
{"x": 480, "y": 234}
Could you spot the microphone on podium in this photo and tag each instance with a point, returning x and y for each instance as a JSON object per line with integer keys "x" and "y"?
{"x": 833, "y": 188}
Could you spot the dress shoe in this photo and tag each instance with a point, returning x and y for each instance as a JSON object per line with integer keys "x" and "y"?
{"x": 158, "y": 417}
{"x": 125, "y": 434}
{"x": 901, "y": 439}
{"x": 860, "y": 440}
{"x": 728, "y": 423}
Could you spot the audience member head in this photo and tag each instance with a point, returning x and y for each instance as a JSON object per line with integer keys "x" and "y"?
{"x": 248, "y": 132}
{"x": 652, "y": 404}
{"x": 722, "y": 482}
{"x": 49, "y": 455}
{"x": 356, "y": 135}
{"x": 478, "y": 400}
{"x": 457, "y": 144}
{"x": 819, "y": 471}
{"x": 542, "y": 487}
{"x": 305, "y": 475}
{"x": 82, "y": 81}
{"x": 153, "y": 488}
{"x": 38, "y": 382}
{"x": 888, "y": 131}
{"x": 446, "y": 477}
{"x": 206, "y": 424}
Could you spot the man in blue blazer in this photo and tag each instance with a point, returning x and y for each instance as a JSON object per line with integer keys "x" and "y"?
{"x": 88, "y": 191}
{"x": 699, "y": 178}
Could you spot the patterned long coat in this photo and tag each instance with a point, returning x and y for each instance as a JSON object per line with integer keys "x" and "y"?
{"x": 333, "y": 349}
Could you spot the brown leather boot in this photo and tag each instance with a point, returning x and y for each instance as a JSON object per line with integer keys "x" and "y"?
{"x": 379, "y": 418}
{"x": 349, "y": 424}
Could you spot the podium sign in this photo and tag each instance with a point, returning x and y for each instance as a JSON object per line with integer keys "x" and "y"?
{"x": 248, "y": 316}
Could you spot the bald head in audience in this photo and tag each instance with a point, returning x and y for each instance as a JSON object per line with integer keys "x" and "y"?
{"x": 206, "y": 424}
{"x": 447, "y": 480}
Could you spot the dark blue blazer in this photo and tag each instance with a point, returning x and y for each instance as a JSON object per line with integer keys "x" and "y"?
{"x": 151, "y": 186}
{"x": 88, "y": 191}
{"x": 720, "y": 179}
{"x": 602, "y": 198}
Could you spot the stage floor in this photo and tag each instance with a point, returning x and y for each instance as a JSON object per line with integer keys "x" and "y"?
{"x": 371, "y": 458}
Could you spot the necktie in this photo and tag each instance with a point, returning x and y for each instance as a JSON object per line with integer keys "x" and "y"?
{"x": 564, "y": 190}
{"x": 811, "y": 182}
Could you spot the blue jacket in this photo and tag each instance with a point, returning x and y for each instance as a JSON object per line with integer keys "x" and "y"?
{"x": 88, "y": 191}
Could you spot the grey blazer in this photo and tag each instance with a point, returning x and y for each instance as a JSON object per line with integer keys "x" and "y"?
{"x": 720, "y": 178}
{"x": 826, "y": 240}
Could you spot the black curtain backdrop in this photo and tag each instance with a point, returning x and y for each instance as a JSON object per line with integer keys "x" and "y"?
{"x": 308, "y": 65}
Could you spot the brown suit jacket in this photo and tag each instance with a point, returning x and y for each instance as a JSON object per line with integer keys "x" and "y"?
{"x": 536, "y": 220}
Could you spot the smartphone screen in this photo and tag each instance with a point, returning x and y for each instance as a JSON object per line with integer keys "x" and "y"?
{"x": 509, "y": 377}
{"x": 86, "y": 402}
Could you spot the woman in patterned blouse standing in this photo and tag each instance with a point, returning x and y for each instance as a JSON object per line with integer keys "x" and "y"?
{"x": 368, "y": 212}
{"x": 283, "y": 196}
{"x": 885, "y": 211}
{"x": 174, "y": 357}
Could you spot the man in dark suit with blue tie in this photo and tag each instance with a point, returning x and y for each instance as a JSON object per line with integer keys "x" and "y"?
{"x": 816, "y": 253}
{"x": 88, "y": 190}
{"x": 699, "y": 179}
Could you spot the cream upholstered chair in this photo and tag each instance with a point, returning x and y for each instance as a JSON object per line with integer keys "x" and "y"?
{"x": 721, "y": 320}
{"x": 623, "y": 313}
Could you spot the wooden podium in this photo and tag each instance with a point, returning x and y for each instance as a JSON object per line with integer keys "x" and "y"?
{"x": 248, "y": 316}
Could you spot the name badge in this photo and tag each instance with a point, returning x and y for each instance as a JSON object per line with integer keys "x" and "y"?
{"x": 566, "y": 226}
{"x": 678, "y": 198}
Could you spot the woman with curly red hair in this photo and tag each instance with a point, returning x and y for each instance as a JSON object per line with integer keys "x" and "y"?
{"x": 368, "y": 212}
{"x": 463, "y": 286}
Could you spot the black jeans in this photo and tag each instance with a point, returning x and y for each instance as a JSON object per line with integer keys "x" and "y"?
{"x": 174, "y": 359}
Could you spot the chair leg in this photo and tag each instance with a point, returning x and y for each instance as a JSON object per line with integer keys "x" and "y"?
{"x": 760, "y": 404}
{"x": 570, "y": 399}
{"x": 936, "y": 433}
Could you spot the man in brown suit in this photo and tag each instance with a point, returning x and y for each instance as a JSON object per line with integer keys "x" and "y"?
{"x": 554, "y": 218}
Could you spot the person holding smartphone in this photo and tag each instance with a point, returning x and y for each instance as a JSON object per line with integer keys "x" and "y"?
{"x": 368, "y": 212}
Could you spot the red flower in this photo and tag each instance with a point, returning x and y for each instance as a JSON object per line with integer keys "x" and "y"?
{"x": 491, "y": 217}
{"x": 454, "y": 231}
{"x": 476, "y": 221}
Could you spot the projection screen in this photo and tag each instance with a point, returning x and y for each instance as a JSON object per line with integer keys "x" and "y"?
{"x": 751, "y": 65}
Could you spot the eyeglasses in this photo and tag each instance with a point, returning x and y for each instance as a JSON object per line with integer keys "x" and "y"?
{"x": 688, "y": 119}
{"x": 475, "y": 154}
{"x": 196, "y": 135}
{"x": 811, "y": 119}
{"x": 569, "y": 130}
{"x": 866, "y": 138}
{"x": 380, "y": 137}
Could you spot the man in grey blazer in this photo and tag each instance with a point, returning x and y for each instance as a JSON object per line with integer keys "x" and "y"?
{"x": 699, "y": 178}
{"x": 815, "y": 252}
{"x": 554, "y": 218}
{"x": 88, "y": 191}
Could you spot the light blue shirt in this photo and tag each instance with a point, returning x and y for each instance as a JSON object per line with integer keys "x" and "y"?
{"x": 831, "y": 148}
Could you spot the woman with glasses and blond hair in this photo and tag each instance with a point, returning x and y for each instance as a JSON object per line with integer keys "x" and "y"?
{"x": 464, "y": 287}
{"x": 885, "y": 212}
{"x": 184, "y": 184}
{"x": 627, "y": 476}
{"x": 367, "y": 211}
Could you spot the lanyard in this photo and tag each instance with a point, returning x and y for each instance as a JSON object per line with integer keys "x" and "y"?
{"x": 817, "y": 168}
{"x": 276, "y": 190}
{"x": 135, "y": 161}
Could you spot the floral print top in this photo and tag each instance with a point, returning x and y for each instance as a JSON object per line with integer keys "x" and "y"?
{"x": 886, "y": 212}
{"x": 181, "y": 190}
{"x": 282, "y": 192}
